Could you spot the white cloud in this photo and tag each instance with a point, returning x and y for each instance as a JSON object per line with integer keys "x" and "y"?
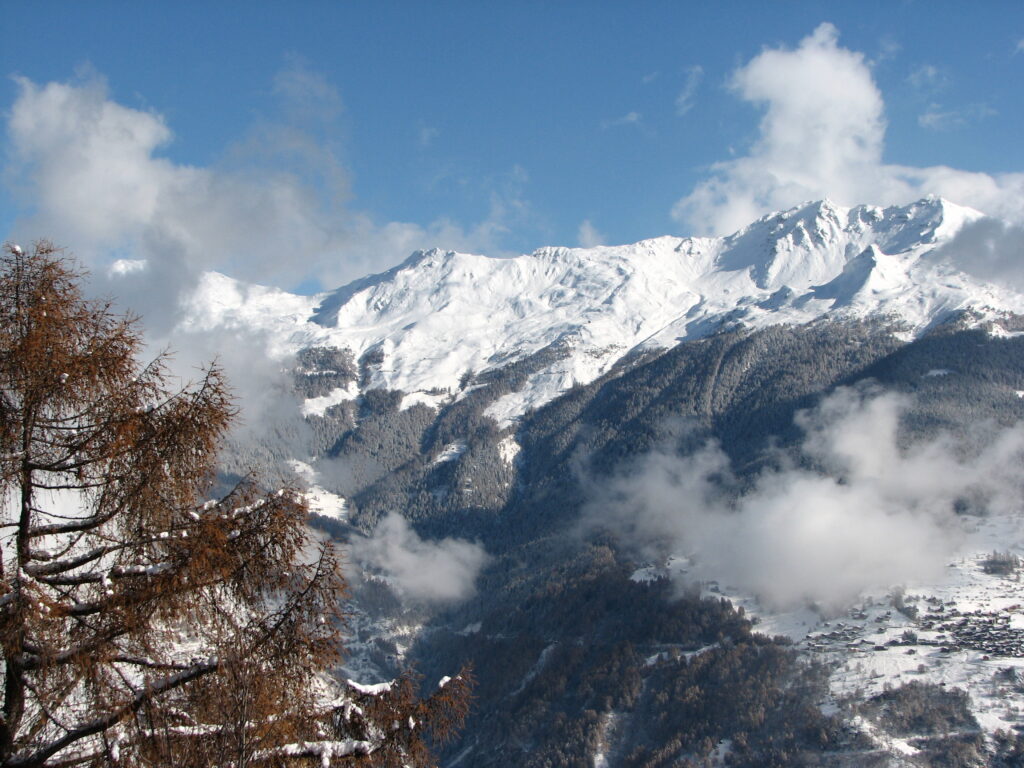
{"x": 927, "y": 77}
{"x": 684, "y": 100}
{"x": 876, "y": 516}
{"x": 630, "y": 118}
{"x": 822, "y": 135}
{"x": 989, "y": 249}
{"x": 430, "y": 571}
{"x": 588, "y": 236}
{"x": 938, "y": 119}
{"x": 1020, "y": 47}
{"x": 91, "y": 172}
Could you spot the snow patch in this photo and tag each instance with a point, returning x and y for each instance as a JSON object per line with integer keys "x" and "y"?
{"x": 509, "y": 449}
{"x": 451, "y": 452}
{"x": 326, "y": 504}
{"x": 431, "y": 399}
{"x": 673, "y": 567}
{"x": 997, "y": 331}
{"x": 317, "y": 406}
{"x": 539, "y": 665}
{"x": 371, "y": 690}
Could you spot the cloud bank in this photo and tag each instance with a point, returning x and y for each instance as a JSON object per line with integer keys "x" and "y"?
{"x": 822, "y": 135}
{"x": 870, "y": 515}
{"x": 274, "y": 211}
{"x": 426, "y": 571}
{"x": 989, "y": 249}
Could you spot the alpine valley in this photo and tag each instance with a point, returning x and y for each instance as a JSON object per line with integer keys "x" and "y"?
{"x": 751, "y": 500}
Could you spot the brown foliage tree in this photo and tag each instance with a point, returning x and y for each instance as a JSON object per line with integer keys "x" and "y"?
{"x": 139, "y": 625}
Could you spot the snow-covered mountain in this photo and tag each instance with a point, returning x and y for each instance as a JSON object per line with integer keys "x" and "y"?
{"x": 447, "y": 329}
{"x": 440, "y": 315}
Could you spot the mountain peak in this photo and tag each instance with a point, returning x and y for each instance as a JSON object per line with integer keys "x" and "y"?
{"x": 440, "y": 314}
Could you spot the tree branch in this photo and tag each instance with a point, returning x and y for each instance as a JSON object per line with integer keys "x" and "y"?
{"x": 102, "y": 723}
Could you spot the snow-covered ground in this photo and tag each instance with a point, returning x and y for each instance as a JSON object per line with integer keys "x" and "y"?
{"x": 320, "y": 501}
{"x": 316, "y": 406}
{"x": 441, "y": 315}
{"x": 451, "y": 452}
{"x": 965, "y": 630}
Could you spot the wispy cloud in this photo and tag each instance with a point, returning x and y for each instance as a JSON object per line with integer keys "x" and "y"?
{"x": 938, "y": 119}
{"x": 888, "y": 48}
{"x": 989, "y": 249}
{"x": 684, "y": 100}
{"x": 630, "y": 118}
{"x": 307, "y": 94}
{"x": 588, "y": 236}
{"x": 426, "y": 134}
{"x": 927, "y": 77}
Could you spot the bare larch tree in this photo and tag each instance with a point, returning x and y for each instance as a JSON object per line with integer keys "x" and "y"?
{"x": 140, "y": 624}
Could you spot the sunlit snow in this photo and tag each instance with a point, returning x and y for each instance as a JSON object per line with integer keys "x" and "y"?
{"x": 440, "y": 316}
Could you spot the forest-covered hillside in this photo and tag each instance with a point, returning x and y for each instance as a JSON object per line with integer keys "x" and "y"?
{"x": 579, "y": 660}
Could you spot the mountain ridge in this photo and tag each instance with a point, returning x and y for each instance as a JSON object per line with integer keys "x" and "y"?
{"x": 431, "y": 323}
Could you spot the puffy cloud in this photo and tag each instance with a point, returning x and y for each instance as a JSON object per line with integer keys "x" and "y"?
{"x": 871, "y": 515}
{"x": 90, "y": 167}
{"x": 990, "y": 249}
{"x": 822, "y": 135}
{"x": 429, "y": 571}
{"x": 91, "y": 172}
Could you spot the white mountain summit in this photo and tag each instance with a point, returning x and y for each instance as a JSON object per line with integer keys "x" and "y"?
{"x": 441, "y": 314}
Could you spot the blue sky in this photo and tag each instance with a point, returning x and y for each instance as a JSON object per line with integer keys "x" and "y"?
{"x": 305, "y": 144}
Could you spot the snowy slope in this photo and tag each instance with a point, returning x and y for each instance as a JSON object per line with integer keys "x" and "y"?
{"x": 439, "y": 315}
